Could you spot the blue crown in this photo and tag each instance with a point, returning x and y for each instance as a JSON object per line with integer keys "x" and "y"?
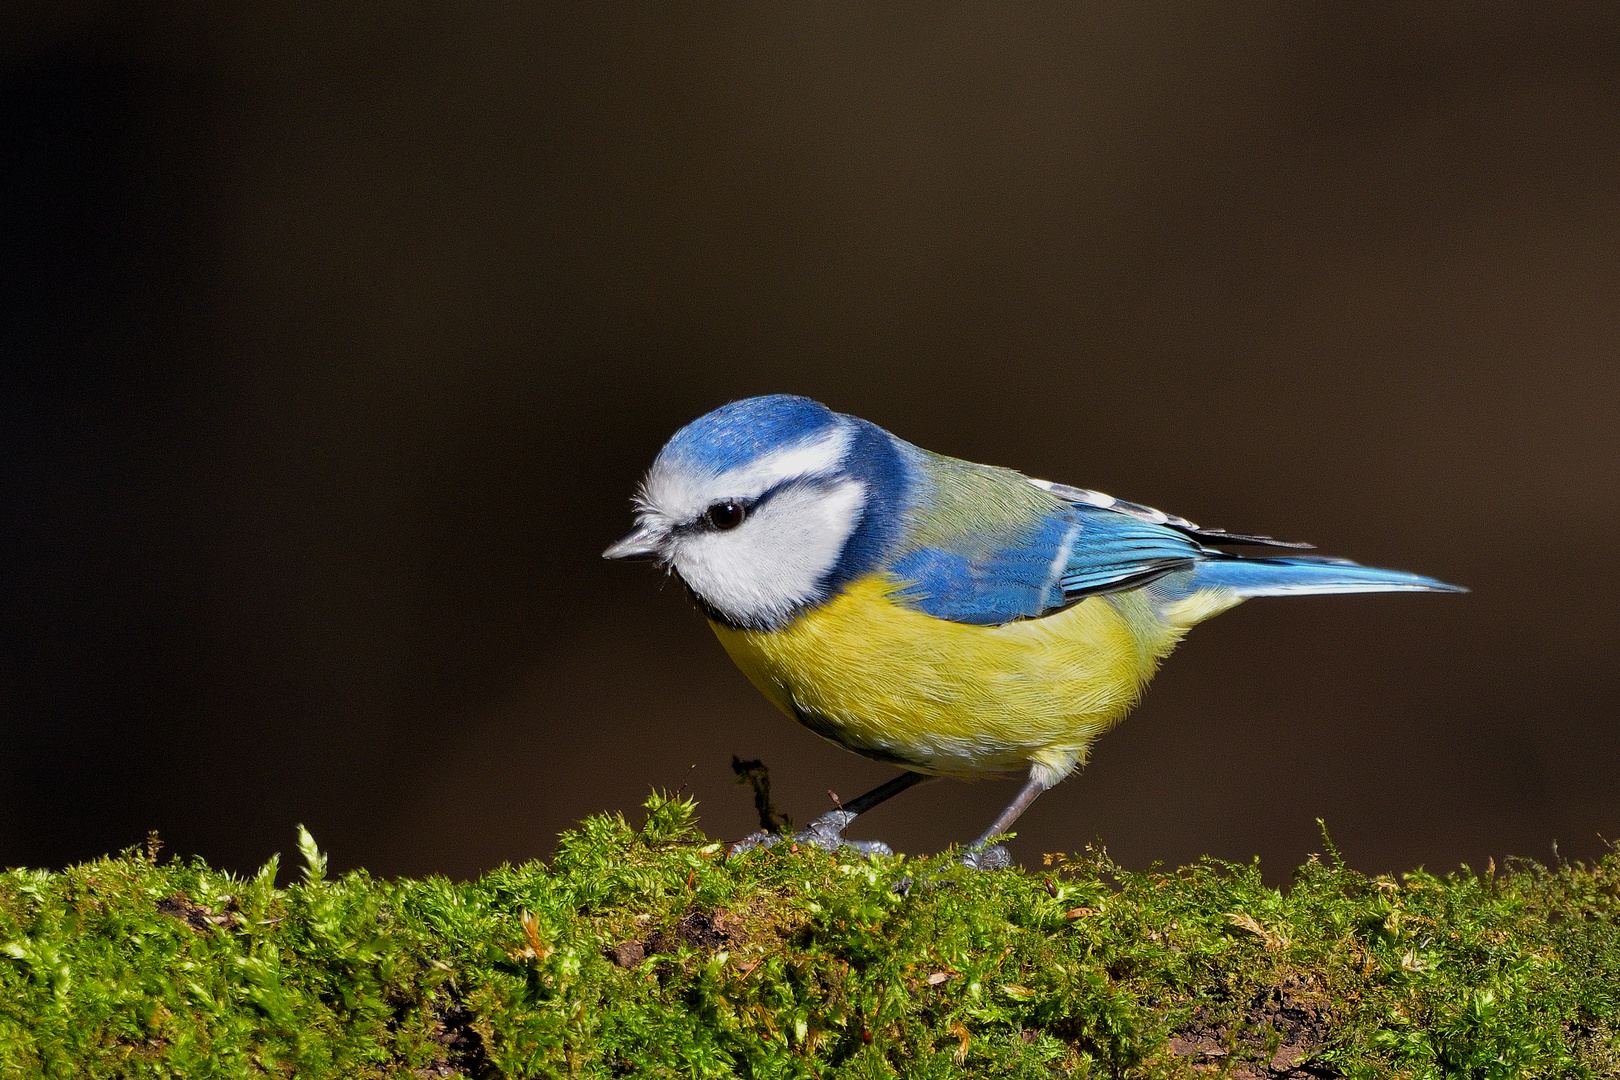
{"x": 739, "y": 432}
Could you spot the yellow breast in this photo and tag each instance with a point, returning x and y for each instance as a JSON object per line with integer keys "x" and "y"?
{"x": 949, "y": 698}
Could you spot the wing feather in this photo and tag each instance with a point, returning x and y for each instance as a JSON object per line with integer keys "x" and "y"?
{"x": 1084, "y": 543}
{"x": 1074, "y": 552}
{"x": 1087, "y": 497}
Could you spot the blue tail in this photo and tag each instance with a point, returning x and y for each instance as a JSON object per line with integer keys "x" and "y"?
{"x": 1300, "y": 575}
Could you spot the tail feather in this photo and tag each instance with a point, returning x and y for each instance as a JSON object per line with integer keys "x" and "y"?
{"x": 1300, "y": 575}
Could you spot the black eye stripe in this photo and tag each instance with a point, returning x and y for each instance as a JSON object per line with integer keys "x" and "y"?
{"x": 751, "y": 506}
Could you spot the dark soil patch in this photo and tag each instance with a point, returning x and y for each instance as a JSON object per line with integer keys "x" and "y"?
{"x": 706, "y": 930}
{"x": 628, "y": 954}
{"x": 196, "y": 916}
{"x": 464, "y": 1053}
{"x": 1279, "y": 1014}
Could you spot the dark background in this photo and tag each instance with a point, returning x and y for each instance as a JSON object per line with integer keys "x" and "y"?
{"x": 336, "y": 338}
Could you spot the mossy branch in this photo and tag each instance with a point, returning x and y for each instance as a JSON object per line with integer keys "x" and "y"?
{"x": 645, "y": 951}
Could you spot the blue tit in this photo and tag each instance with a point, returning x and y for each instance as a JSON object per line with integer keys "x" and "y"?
{"x": 953, "y": 619}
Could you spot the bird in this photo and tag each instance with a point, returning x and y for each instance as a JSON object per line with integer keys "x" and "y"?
{"x": 950, "y": 618}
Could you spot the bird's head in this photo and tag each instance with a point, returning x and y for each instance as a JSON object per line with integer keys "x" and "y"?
{"x": 754, "y": 506}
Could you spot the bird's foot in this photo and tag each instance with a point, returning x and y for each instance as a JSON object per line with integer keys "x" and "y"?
{"x": 995, "y": 857}
{"x": 826, "y": 833}
{"x": 755, "y": 840}
{"x": 978, "y": 857}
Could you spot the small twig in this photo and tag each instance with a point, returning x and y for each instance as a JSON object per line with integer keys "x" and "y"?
{"x": 749, "y": 969}
{"x": 807, "y": 1062}
{"x": 757, "y": 775}
{"x": 685, "y": 778}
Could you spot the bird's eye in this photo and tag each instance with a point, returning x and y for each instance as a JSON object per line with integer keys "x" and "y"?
{"x": 726, "y": 515}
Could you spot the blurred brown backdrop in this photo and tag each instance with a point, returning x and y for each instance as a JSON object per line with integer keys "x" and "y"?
{"x": 336, "y": 337}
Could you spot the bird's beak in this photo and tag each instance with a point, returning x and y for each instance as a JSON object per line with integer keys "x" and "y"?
{"x": 642, "y": 542}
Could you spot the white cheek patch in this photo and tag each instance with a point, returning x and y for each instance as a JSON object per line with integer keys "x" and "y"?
{"x": 762, "y": 571}
{"x": 678, "y": 494}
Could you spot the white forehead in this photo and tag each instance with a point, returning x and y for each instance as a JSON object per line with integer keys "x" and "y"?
{"x": 680, "y": 491}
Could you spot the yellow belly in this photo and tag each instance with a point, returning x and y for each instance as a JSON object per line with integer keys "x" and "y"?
{"x": 958, "y": 700}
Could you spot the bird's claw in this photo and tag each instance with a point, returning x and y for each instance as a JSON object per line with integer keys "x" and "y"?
{"x": 825, "y": 832}
{"x": 976, "y": 858}
{"x": 754, "y": 840}
{"x": 995, "y": 857}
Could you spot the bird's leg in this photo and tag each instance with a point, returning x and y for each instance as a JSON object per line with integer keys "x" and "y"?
{"x": 983, "y": 857}
{"x": 827, "y": 831}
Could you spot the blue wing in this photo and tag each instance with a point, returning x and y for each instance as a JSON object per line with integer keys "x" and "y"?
{"x": 1102, "y": 545}
{"x": 1075, "y": 551}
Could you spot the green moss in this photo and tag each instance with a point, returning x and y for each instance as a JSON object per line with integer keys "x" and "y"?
{"x": 646, "y": 952}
